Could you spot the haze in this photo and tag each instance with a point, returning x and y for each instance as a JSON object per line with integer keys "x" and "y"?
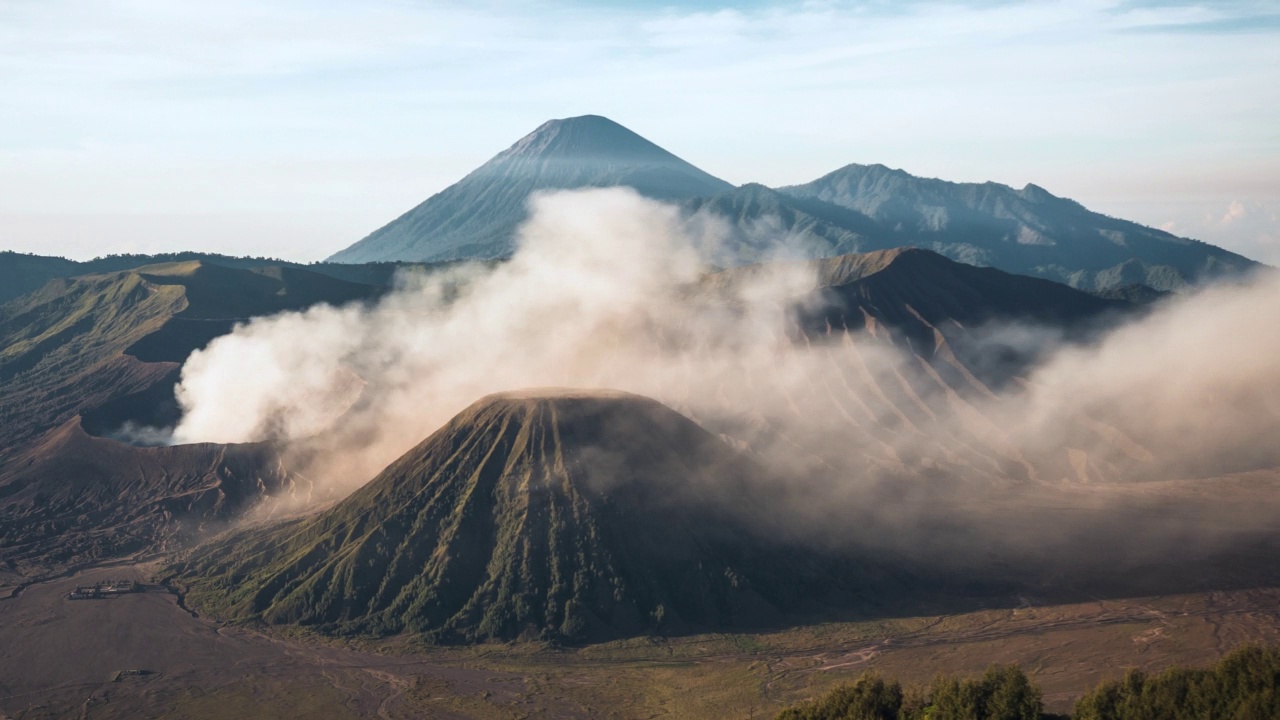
{"x": 598, "y": 295}
{"x": 293, "y": 129}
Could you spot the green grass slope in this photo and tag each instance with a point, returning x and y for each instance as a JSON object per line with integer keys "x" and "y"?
{"x": 63, "y": 349}
{"x": 78, "y": 344}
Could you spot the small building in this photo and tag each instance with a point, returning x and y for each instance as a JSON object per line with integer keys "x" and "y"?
{"x": 103, "y": 589}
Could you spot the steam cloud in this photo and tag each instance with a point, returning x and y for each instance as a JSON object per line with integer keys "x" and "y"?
{"x": 607, "y": 290}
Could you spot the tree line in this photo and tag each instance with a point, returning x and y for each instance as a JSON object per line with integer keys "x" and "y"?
{"x": 1244, "y": 685}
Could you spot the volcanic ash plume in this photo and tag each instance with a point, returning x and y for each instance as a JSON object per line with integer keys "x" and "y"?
{"x": 607, "y": 290}
{"x": 597, "y": 296}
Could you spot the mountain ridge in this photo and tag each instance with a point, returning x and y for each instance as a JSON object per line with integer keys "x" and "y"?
{"x": 25, "y": 273}
{"x": 1028, "y": 231}
{"x": 855, "y": 208}
{"x": 87, "y": 359}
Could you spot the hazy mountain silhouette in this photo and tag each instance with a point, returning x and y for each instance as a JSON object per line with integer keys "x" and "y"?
{"x": 858, "y": 208}
{"x": 941, "y": 313}
{"x": 1028, "y": 231}
{"x": 476, "y": 217}
{"x": 765, "y": 224}
{"x": 22, "y": 273}
{"x": 928, "y": 298}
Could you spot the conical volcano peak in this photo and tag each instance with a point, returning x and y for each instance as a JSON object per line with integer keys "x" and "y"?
{"x": 559, "y": 393}
{"x": 621, "y": 424}
{"x": 589, "y": 142}
{"x": 477, "y": 216}
{"x": 586, "y": 137}
{"x": 560, "y": 514}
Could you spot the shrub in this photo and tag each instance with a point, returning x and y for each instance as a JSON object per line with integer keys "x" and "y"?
{"x": 1002, "y": 693}
{"x": 868, "y": 698}
{"x": 1245, "y": 685}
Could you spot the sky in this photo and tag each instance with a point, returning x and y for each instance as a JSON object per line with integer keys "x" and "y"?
{"x": 292, "y": 128}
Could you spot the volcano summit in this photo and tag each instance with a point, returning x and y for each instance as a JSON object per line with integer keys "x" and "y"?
{"x": 550, "y": 514}
{"x": 477, "y": 216}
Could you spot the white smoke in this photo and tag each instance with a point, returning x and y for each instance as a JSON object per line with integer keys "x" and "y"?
{"x": 607, "y": 290}
{"x": 597, "y": 296}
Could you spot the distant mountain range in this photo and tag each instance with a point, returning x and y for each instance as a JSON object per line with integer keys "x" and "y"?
{"x": 858, "y": 208}
{"x": 1028, "y": 231}
{"x": 21, "y": 273}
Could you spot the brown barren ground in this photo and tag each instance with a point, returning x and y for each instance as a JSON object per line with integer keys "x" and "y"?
{"x": 61, "y": 658}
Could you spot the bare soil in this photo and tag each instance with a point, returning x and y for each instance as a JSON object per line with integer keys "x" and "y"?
{"x": 63, "y": 658}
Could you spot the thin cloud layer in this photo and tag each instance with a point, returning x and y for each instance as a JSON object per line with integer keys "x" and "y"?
{"x": 304, "y": 128}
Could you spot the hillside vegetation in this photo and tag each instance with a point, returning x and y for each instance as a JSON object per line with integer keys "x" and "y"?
{"x": 1244, "y": 685}
{"x": 559, "y": 516}
{"x": 101, "y": 353}
{"x": 77, "y": 344}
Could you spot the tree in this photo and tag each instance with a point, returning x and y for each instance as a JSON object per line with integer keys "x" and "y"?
{"x": 870, "y": 697}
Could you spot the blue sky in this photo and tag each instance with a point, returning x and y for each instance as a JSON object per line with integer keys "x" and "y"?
{"x": 294, "y": 128}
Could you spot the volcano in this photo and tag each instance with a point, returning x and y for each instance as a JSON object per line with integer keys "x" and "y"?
{"x": 476, "y": 217}
{"x": 855, "y": 209}
{"x": 553, "y": 514}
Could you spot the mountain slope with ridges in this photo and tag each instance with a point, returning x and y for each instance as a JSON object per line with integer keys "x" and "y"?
{"x": 77, "y": 344}
{"x": 1028, "y": 231}
{"x": 100, "y": 354}
{"x": 917, "y": 293}
{"x": 553, "y": 514}
{"x": 476, "y": 217}
{"x": 914, "y": 355}
{"x": 765, "y": 224}
{"x": 72, "y": 498}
